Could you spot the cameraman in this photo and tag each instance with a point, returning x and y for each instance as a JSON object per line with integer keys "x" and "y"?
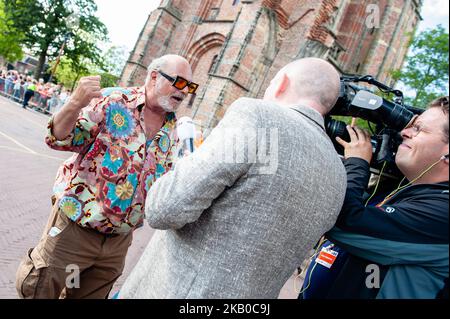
{"x": 398, "y": 248}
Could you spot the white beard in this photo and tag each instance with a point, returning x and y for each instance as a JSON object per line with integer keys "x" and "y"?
{"x": 164, "y": 101}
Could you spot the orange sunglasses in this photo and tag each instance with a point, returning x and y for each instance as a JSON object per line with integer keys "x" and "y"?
{"x": 180, "y": 83}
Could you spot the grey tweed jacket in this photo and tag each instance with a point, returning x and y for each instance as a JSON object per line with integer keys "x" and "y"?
{"x": 239, "y": 215}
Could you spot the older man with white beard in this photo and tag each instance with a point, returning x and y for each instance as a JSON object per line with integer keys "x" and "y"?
{"x": 122, "y": 143}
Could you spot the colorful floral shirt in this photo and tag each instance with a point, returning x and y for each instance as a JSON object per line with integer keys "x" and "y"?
{"x": 103, "y": 186}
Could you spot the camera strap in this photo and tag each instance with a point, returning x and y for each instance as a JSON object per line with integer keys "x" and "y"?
{"x": 311, "y": 119}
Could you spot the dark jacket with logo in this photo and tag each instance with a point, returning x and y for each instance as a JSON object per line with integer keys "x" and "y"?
{"x": 407, "y": 238}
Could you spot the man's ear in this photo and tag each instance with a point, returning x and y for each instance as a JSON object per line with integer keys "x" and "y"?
{"x": 154, "y": 75}
{"x": 282, "y": 86}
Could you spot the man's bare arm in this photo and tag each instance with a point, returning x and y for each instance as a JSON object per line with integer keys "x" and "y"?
{"x": 64, "y": 121}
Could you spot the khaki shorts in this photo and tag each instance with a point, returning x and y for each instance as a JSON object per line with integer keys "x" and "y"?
{"x": 75, "y": 263}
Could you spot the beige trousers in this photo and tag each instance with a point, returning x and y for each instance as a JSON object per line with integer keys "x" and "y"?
{"x": 74, "y": 264}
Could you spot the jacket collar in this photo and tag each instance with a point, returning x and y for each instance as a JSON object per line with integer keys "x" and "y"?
{"x": 425, "y": 189}
{"x": 311, "y": 114}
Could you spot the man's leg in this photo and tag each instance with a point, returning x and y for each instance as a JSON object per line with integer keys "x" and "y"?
{"x": 35, "y": 280}
{"x": 45, "y": 271}
{"x": 33, "y": 277}
{"x": 27, "y": 98}
{"x": 97, "y": 281}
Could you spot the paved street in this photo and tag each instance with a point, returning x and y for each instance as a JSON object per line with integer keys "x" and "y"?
{"x": 27, "y": 172}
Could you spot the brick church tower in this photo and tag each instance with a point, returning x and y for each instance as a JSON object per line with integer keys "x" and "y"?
{"x": 236, "y": 47}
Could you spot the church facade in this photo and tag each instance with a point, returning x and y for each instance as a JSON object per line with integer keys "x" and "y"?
{"x": 236, "y": 47}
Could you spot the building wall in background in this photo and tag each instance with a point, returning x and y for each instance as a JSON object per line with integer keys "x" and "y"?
{"x": 236, "y": 47}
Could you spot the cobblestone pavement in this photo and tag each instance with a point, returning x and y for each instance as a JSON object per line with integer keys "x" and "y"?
{"x": 27, "y": 172}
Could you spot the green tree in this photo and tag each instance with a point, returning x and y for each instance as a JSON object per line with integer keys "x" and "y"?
{"x": 47, "y": 25}
{"x": 108, "y": 80}
{"x": 10, "y": 38}
{"x": 69, "y": 73}
{"x": 426, "y": 68}
{"x": 115, "y": 59}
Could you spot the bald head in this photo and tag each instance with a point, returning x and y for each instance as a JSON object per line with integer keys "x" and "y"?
{"x": 311, "y": 81}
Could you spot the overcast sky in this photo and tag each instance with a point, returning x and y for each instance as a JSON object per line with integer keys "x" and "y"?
{"x": 125, "y": 21}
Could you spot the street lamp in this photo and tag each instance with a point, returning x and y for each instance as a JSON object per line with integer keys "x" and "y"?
{"x": 72, "y": 23}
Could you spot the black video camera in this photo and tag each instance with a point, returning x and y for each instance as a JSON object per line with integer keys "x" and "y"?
{"x": 389, "y": 118}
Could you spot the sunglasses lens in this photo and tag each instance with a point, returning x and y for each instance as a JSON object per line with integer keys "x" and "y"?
{"x": 193, "y": 88}
{"x": 180, "y": 83}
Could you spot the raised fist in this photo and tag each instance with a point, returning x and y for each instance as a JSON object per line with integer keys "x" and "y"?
{"x": 88, "y": 89}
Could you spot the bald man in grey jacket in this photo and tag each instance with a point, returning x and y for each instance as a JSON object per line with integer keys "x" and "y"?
{"x": 235, "y": 218}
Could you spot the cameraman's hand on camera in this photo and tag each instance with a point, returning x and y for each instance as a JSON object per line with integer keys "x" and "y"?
{"x": 359, "y": 145}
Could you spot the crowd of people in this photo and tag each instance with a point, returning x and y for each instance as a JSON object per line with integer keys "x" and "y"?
{"x": 234, "y": 228}
{"x": 29, "y": 92}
